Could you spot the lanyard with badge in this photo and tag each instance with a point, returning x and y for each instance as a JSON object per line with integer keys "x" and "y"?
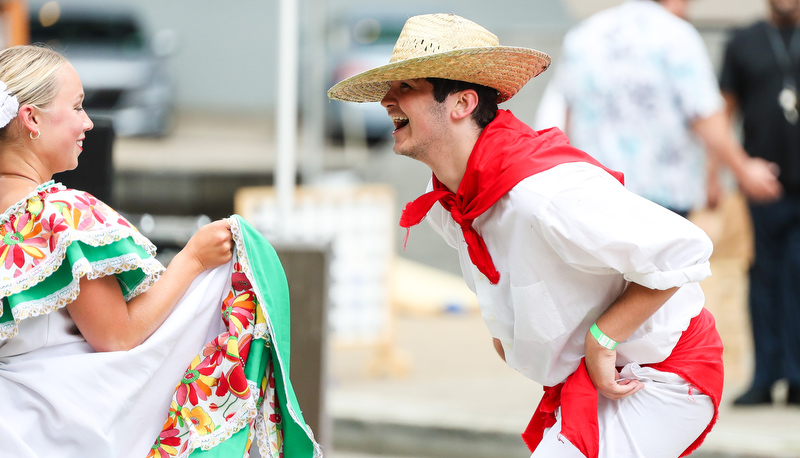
{"x": 787, "y": 98}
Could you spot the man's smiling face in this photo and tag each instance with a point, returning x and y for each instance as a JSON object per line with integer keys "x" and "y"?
{"x": 419, "y": 120}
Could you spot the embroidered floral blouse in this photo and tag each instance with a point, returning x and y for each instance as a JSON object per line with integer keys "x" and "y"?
{"x": 52, "y": 238}
{"x": 235, "y": 390}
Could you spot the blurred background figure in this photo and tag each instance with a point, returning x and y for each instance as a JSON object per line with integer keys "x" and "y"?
{"x": 759, "y": 80}
{"x": 653, "y": 108}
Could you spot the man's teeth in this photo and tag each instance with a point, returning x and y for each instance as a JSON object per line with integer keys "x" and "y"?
{"x": 399, "y": 121}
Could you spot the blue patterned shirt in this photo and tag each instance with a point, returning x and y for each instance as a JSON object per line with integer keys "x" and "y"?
{"x": 634, "y": 78}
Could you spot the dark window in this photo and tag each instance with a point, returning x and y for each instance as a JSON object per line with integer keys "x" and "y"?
{"x": 119, "y": 33}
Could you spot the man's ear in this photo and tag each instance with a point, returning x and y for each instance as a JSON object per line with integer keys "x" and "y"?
{"x": 465, "y": 103}
{"x": 30, "y": 118}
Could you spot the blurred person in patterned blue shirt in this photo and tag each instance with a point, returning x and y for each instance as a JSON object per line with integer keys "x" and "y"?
{"x": 641, "y": 96}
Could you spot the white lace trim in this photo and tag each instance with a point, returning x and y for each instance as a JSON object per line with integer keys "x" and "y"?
{"x": 100, "y": 237}
{"x": 261, "y": 331}
{"x": 249, "y": 410}
{"x": 108, "y": 236}
{"x": 262, "y": 438}
{"x": 91, "y": 270}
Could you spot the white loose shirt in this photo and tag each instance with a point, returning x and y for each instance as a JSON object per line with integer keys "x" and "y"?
{"x": 566, "y": 242}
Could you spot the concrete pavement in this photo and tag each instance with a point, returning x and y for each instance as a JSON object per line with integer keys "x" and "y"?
{"x": 460, "y": 400}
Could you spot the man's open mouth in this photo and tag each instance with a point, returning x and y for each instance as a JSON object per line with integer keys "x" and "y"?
{"x": 399, "y": 122}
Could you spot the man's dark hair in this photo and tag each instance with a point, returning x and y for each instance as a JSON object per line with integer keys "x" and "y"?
{"x": 487, "y": 98}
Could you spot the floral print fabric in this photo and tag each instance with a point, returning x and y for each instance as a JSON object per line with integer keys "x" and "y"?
{"x": 235, "y": 392}
{"x": 55, "y": 236}
{"x": 216, "y": 399}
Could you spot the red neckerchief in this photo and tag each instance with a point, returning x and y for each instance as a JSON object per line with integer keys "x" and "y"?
{"x": 507, "y": 152}
{"x": 697, "y": 358}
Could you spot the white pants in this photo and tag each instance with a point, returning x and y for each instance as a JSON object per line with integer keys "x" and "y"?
{"x": 660, "y": 420}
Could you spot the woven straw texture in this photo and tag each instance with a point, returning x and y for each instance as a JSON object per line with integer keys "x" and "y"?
{"x": 451, "y": 47}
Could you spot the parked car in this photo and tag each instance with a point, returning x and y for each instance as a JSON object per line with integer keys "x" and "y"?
{"x": 359, "y": 41}
{"x": 121, "y": 65}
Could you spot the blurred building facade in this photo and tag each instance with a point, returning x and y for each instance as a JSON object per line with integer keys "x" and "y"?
{"x": 226, "y": 52}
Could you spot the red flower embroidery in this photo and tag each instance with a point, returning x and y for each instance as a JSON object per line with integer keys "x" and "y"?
{"x": 165, "y": 444}
{"x": 53, "y": 226}
{"x": 238, "y": 311}
{"x": 244, "y": 346}
{"x": 235, "y": 382}
{"x": 215, "y": 350}
{"x": 240, "y": 282}
{"x": 18, "y": 237}
{"x": 196, "y": 383}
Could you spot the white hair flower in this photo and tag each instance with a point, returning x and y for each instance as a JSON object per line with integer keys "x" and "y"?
{"x": 9, "y": 106}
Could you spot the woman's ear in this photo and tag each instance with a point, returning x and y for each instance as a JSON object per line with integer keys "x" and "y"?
{"x": 29, "y": 116}
{"x": 465, "y": 104}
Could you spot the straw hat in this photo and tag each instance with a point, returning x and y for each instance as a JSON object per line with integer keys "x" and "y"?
{"x": 451, "y": 47}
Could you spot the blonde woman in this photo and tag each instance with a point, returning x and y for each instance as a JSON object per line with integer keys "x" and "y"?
{"x": 95, "y": 334}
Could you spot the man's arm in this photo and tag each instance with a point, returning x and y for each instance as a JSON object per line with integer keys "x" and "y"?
{"x": 714, "y": 189}
{"x": 731, "y": 105}
{"x": 631, "y": 309}
{"x": 756, "y": 177}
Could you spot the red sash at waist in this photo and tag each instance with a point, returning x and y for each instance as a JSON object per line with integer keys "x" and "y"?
{"x": 697, "y": 358}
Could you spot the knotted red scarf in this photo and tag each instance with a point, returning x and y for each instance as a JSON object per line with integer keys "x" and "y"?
{"x": 507, "y": 152}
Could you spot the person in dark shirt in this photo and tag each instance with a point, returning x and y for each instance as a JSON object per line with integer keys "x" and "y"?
{"x": 759, "y": 80}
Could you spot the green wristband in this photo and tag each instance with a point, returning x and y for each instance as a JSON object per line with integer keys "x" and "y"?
{"x": 602, "y": 339}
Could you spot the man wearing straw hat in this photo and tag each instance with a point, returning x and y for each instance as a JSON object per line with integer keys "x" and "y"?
{"x": 586, "y": 288}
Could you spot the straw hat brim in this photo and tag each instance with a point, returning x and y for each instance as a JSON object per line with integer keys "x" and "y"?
{"x": 504, "y": 68}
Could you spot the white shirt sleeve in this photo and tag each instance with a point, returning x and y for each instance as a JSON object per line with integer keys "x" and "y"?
{"x": 597, "y": 226}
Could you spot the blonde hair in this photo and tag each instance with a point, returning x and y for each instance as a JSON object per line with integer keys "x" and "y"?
{"x": 31, "y": 74}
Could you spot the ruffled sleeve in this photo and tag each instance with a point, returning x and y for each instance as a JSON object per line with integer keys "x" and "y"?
{"x": 55, "y": 236}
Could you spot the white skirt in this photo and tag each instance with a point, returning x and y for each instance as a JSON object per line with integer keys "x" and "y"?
{"x": 68, "y": 401}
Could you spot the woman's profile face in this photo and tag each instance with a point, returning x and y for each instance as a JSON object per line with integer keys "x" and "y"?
{"x": 64, "y": 124}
